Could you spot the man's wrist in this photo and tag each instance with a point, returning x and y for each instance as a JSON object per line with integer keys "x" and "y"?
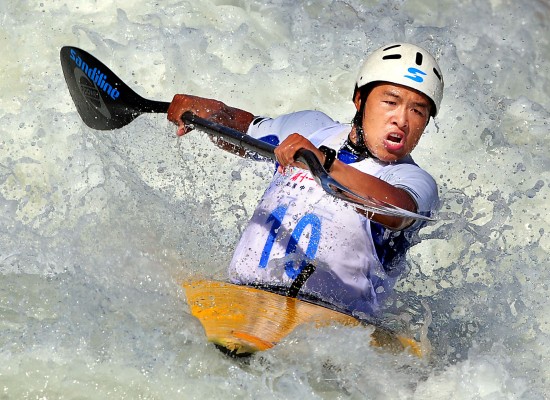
{"x": 330, "y": 157}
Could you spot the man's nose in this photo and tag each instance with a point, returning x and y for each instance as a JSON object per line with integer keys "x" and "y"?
{"x": 400, "y": 117}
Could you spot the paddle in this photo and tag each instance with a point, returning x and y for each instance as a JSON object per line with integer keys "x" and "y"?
{"x": 105, "y": 102}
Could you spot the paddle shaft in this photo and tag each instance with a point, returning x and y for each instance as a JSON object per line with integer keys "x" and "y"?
{"x": 248, "y": 142}
{"x": 152, "y": 106}
{"x": 232, "y": 136}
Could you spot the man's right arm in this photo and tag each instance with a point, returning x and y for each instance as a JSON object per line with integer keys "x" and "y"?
{"x": 213, "y": 110}
{"x": 210, "y": 109}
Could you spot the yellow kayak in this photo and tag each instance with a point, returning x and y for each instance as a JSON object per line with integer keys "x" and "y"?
{"x": 243, "y": 320}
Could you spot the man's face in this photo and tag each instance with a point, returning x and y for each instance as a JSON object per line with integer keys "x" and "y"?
{"x": 394, "y": 120}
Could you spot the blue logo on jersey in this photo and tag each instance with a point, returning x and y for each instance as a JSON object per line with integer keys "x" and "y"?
{"x": 416, "y": 75}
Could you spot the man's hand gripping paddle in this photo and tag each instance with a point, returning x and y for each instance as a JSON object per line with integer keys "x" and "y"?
{"x": 105, "y": 102}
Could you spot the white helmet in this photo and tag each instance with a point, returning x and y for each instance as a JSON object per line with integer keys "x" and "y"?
{"x": 404, "y": 64}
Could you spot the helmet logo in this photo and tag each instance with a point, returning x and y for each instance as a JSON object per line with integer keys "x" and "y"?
{"x": 416, "y": 75}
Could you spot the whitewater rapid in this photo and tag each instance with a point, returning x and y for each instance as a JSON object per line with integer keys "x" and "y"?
{"x": 99, "y": 229}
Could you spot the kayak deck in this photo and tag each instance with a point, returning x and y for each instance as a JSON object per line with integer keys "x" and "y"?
{"x": 243, "y": 320}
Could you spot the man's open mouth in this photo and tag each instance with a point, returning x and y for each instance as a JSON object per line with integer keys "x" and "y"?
{"x": 395, "y": 138}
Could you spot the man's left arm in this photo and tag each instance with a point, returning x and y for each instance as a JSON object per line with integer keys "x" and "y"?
{"x": 355, "y": 180}
{"x": 369, "y": 185}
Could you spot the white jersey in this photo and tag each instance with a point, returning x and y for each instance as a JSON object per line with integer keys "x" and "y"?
{"x": 297, "y": 223}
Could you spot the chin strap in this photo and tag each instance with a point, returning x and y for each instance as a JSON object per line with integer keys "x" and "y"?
{"x": 357, "y": 123}
{"x": 358, "y": 149}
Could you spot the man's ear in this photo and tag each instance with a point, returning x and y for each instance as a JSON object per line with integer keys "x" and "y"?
{"x": 357, "y": 99}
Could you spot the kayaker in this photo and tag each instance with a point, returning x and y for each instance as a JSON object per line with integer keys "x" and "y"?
{"x": 357, "y": 256}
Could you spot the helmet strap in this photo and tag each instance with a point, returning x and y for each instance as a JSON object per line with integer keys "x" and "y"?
{"x": 357, "y": 123}
{"x": 360, "y": 147}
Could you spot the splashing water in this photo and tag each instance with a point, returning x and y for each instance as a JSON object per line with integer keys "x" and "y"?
{"x": 99, "y": 228}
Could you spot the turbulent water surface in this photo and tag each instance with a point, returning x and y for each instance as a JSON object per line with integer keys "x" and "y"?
{"x": 98, "y": 229}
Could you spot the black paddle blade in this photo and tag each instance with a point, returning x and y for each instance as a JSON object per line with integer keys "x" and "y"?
{"x": 103, "y": 101}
